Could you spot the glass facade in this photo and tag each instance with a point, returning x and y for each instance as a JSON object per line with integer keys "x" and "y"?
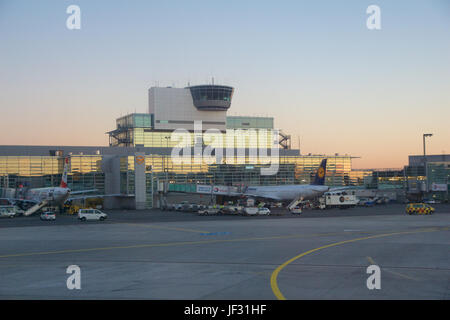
{"x": 240, "y": 138}
{"x": 211, "y": 97}
{"x": 241, "y": 171}
{"x": 238, "y": 172}
{"x": 128, "y": 127}
{"x": 439, "y": 173}
{"x": 85, "y": 172}
{"x": 33, "y": 172}
{"x": 135, "y": 120}
{"x": 211, "y": 92}
{"x": 136, "y": 130}
{"x": 413, "y": 180}
{"x": 156, "y": 139}
{"x": 235, "y": 122}
{"x": 387, "y": 179}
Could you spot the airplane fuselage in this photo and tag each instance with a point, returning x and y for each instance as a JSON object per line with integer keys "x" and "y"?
{"x": 55, "y": 195}
{"x": 287, "y": 192}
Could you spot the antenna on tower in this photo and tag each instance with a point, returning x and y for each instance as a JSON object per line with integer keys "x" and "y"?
{"x": 212, "y": 80}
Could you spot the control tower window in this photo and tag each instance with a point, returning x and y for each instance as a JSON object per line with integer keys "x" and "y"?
{"x": 211, "y": 97}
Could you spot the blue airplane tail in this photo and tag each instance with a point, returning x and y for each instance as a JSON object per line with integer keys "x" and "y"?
{"x": 319, "y": 179}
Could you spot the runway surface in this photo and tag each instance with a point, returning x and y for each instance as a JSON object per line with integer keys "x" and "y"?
{"x": 173, "y": 255}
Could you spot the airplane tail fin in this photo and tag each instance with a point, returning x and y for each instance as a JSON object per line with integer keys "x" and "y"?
{"x": 319, "y": 179}
{"x": 64, "y": 175}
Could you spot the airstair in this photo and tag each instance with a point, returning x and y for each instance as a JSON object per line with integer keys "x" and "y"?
{"x": 294, "y": 203}
{"x": 35, "y": 208}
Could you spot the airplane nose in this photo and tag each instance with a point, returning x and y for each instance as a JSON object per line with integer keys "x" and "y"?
{"x": 67, "y": 194}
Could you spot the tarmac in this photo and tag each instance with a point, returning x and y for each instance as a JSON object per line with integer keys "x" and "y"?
{"x": 175, "y": 255}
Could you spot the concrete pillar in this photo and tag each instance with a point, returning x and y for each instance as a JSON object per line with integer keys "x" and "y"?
{"x": 139, "y": 180}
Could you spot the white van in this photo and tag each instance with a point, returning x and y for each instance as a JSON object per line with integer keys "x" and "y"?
{"x": 91, "y": 214}
{"x": 250, "y": 211}
{"x": 264, "y": 211}
{"x": 7, "y": 211}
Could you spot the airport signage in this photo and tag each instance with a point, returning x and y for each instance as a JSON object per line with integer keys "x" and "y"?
{"x": 220, "y": 189}
{"x": 204, "y": 189}
{"x": 439, "y": 187}
{"x": 224, "y": 190}
{"x": 140, "y": 159}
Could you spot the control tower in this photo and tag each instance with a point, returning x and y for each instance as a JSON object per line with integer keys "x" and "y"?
{"x": 212, "y": 97}
{"x": 178, "y": 108}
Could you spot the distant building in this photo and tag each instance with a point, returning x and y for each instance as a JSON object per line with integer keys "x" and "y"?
{"x": 432, "y": 181}
{"x": 202, "y": 108}
{"x": 149, "y": 136}
{"x": 413, "y": 178}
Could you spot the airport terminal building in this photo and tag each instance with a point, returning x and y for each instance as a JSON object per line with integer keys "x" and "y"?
{"x": 139, "y": 168}
{"x": 115, "y": 170}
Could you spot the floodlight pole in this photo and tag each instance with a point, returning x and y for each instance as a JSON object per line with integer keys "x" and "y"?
{"x": 166, "y": 167}
{"x": 425, "y": 135}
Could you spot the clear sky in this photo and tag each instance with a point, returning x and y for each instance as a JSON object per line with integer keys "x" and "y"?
{"x": 312, "y": 65}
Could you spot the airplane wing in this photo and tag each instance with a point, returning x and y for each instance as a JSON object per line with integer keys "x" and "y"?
{"x": 262, "y": 197}
{"x": 83, "y": 191}
{"x": 98, "y": 196}
{"x": 337, "y": 189}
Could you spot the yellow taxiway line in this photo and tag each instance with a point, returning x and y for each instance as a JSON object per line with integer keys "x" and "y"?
{"x": 273, "y": 279}
{"x": 170, "y": 244}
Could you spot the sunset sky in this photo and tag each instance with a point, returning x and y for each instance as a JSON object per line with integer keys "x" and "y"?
{"x": 312, "y": 65}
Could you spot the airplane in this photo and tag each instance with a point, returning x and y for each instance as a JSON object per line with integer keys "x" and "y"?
{"x": 294, "y": 193}
{"x": 50, "y": 196}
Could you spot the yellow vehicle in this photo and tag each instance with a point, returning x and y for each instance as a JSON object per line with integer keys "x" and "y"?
{"x": 419, "y": 208}
{"x": 73, "y": 209}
